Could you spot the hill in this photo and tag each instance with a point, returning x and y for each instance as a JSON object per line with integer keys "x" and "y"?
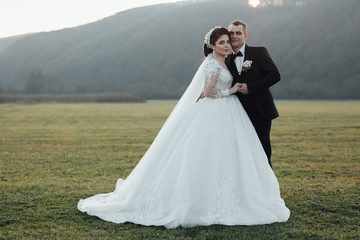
{"x": 153, "y": 52}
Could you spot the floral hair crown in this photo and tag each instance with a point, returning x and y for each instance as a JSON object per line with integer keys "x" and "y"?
{"x": 207, "y": 37}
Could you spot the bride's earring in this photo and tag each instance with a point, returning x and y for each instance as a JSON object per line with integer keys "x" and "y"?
{"x": 214, "y": 53}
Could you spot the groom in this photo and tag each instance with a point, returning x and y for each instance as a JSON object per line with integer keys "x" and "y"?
{"x": 254, "y": 93}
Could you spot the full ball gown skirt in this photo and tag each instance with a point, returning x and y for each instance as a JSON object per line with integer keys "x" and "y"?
{"x": 210, "y": 169}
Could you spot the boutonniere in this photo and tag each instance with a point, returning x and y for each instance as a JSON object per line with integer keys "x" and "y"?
{"x": 246, "y": 66}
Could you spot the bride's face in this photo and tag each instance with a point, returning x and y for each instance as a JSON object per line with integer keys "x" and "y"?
{"x": 222, "y": 45}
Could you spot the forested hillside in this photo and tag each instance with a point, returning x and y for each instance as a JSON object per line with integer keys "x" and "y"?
{"x": 153, "y": 52}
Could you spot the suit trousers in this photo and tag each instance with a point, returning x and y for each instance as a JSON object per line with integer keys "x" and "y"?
{"x": 262, "y": 127}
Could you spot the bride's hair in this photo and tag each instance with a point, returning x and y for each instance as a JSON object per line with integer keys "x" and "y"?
{"x": 215, "y": 35}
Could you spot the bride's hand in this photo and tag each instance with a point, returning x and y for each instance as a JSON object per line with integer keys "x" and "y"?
{"x": 235, "y": 88}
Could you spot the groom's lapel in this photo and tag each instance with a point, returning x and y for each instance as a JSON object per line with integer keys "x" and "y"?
{"x": 248, "y": 53}
{"x": 230, "y": 63}
{"x": 232, "y": 69}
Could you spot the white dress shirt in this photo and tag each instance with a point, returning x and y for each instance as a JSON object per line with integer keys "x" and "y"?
{"x": 240, "y": 60}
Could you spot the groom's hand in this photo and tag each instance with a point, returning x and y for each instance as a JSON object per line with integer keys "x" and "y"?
{"x": 243, "y": 89}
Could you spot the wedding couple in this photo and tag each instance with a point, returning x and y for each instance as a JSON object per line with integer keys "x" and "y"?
{"x": 210, "y": 162}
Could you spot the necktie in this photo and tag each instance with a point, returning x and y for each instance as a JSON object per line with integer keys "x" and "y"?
{"x": 238, "y": 54}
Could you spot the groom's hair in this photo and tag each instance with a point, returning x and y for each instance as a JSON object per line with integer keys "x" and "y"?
{"x": 238, "y": 23}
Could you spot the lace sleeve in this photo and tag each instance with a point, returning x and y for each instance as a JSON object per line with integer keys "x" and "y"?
{"x": 212, "y": 69}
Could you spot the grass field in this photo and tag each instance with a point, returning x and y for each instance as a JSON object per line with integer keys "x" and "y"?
{"x": 51, "y": 155}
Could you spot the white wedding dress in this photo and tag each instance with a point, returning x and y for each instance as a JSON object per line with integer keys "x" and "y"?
{"x": 206, "y": 166}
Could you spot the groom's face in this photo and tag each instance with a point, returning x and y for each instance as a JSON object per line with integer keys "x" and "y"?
{"x": 238, "y": 36}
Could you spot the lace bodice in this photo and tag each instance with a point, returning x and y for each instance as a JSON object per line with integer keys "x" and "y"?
{"x": 218, "y": 79}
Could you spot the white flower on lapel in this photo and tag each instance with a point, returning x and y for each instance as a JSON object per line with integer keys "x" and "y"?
{"x": 246, "y": 66}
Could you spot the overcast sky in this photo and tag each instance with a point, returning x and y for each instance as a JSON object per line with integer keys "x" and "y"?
{"x": 25, "y": 16}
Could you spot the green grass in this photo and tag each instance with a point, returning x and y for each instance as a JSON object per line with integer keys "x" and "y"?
{"x": 51, "y": 155}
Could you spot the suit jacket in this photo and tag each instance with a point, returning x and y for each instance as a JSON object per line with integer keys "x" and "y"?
{"x": 262, "y": 75}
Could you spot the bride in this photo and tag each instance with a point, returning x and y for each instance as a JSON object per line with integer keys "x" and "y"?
{"x": 206, "y": 166}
